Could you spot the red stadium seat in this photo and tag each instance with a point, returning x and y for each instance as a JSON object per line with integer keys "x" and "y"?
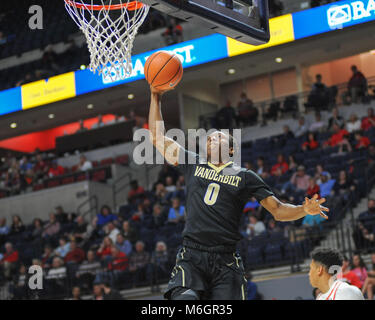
{"x": 106, "y": 161}
{"x": 68, "y": 180}
{"x": 123, "y": 159}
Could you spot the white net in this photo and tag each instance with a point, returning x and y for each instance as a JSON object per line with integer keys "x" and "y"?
{"x": 110, "y": 27}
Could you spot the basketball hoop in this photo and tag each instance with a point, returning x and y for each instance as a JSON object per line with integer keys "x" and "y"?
{"x": 110, "y": 27}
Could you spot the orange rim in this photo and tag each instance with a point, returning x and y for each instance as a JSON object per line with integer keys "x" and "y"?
{"x": 133, "y": 5}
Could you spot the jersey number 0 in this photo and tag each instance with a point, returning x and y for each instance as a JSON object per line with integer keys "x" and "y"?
{"x": 211, "y": 194}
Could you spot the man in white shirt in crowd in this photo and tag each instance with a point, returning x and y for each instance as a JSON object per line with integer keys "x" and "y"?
{"x": 324, "y": 267}
{"x": 84, "y": 164}
{"x": 318, "y": 124}
{"x": 255, "y": 227}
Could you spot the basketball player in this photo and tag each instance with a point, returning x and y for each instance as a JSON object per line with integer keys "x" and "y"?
{"x": 207, "y": 265}
{"x": 324, "y": 267}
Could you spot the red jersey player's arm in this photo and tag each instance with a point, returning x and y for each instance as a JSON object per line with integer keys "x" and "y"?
{"x": 289, "y": 212}
{"x": 166, "y": 146}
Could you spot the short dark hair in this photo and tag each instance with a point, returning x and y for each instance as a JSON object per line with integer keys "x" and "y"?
{"x": 327, "y": 257}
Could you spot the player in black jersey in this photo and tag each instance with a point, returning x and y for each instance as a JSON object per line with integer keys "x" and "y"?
{"x": 207, "y": 265}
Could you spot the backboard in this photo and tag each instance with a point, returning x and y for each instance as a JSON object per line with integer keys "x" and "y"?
{"x": 243, "y": 20}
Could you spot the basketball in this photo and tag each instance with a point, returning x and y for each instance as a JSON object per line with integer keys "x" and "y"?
{"x": 163, "y": 70}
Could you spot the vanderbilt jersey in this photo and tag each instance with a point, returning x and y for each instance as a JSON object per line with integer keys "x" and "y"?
{"x": 215, "y": 197}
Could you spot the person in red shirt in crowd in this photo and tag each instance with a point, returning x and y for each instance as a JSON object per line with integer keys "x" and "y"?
{"x": 55, "y": 170}
{"x": 338, "y": 138}
{"x": 281, "y": 163}
{"x": 136, "y": 192}
{"x": 357, "y": 86}
{"x": 313, "y": 188}
{"x": 75, "y": 255}
{"x": 9, "y": 260}
{"x": 41, "y": 167}
{"x": 120, "y": 261}
{"x": 173, "y": 34}
{"x": 362, "y": 141}
{"x": 347, "y": 275}
{"x": 105, "y": 250}
{"x": 311, "y": 142}
{"x": 369, "y": 121}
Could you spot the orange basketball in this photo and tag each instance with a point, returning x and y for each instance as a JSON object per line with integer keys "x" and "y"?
{"x": 163, "y": 70}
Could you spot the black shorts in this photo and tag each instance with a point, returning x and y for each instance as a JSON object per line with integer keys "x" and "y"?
{"x": 213, "y": 275}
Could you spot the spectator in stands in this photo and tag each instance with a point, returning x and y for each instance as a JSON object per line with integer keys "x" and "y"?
{"x": 84, "y": 164}
{"x": 136, "y": 192}
{"x": 37, "y": 229}
{"x": 75, "y": 254}
{"x": 61, "y": 215}
{"x": 347, "y": 275}
{"x": 335, "y": 119}
{"x": 365, "y": 226}
{"x": 251, "y": 288}
{"x": 17, "y": 225}
{"x": 261, "y": 168}
{"x": 129, "y": 233}
{"x": 281, "y": 163}
{"x": 167, "y": 171}
{"x": 87, "y": 271}
{"x": 169, "y": 185}
{"x": 47, "y": 257}
{"x": 160, "y": 263}
{"x": 255, "y": 227}
{"x": 252, "y": 206}
{"x": 282, "y": 140}
{"x": 19, "y": 286}
{"x": 299, "y": 182}
{"x": 344, "y": 185}
{"x": 139, "y": 215}
{"x": 354, "y": 124}
{"x": 176, "y": 213}
{"x": 25, "y": 164}
{"x": 76, "y": 293}
{"x": 358, "y": 267}
{"x": 319, "y": 170}
{"x": 4, "y": 230}
{"x": 226, "y": 116}
{"x": 55, "y": 169}
{"x": 82, "y": 127}
{"x": 117, "y": 266}
{"x": 174, "y": 33}
{"x": 98, "y": 124}
{"x": 318, "y": 97}
{"x": 368, "y": 286}
{"x": 79, "y": 229}
{"x": 272, "y": 226}
{"x": 161, "y": 194}
{"x": 8, "y": 262}
{"x": 158, "y": 219}
{"x": 63, "y": 248}
{"x": 123, "y": 245}
{"x": 362, "y": 141}
{"x": 40, "y": 168}
{"x": 105, "y": 216}
{"x": 110, "y": 293}
{"x": 105, "y": 250}
{"x": 52, "y": 227}
{"x": 357, "y": 87}
{"x": 338, "y": 138}
{"x": 318, "y": 125}
{"x": 139, "y": 263}
{"x": 302, "y": 128}
{"x": 313, "y": 188}
{"x": 247, "y": 113}
{"x": 369, "y": 121}
{"x": 311, "y": 143}
{"x": 326, "y": 185}
{"x": 97, "y": 291}
{"x": 111, "y": 231}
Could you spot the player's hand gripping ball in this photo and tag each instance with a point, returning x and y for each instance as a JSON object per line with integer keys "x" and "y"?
{"x": 163, "y": 70}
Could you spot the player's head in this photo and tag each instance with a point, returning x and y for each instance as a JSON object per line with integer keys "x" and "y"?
{"x": 218, "y": 143}
{"x": 325, "y": 264}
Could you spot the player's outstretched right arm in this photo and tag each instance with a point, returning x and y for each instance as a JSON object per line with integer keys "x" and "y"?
{"x": 166, "y": 146}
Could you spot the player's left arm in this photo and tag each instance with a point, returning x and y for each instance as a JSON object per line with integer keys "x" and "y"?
{"x": 289, "y": 212}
